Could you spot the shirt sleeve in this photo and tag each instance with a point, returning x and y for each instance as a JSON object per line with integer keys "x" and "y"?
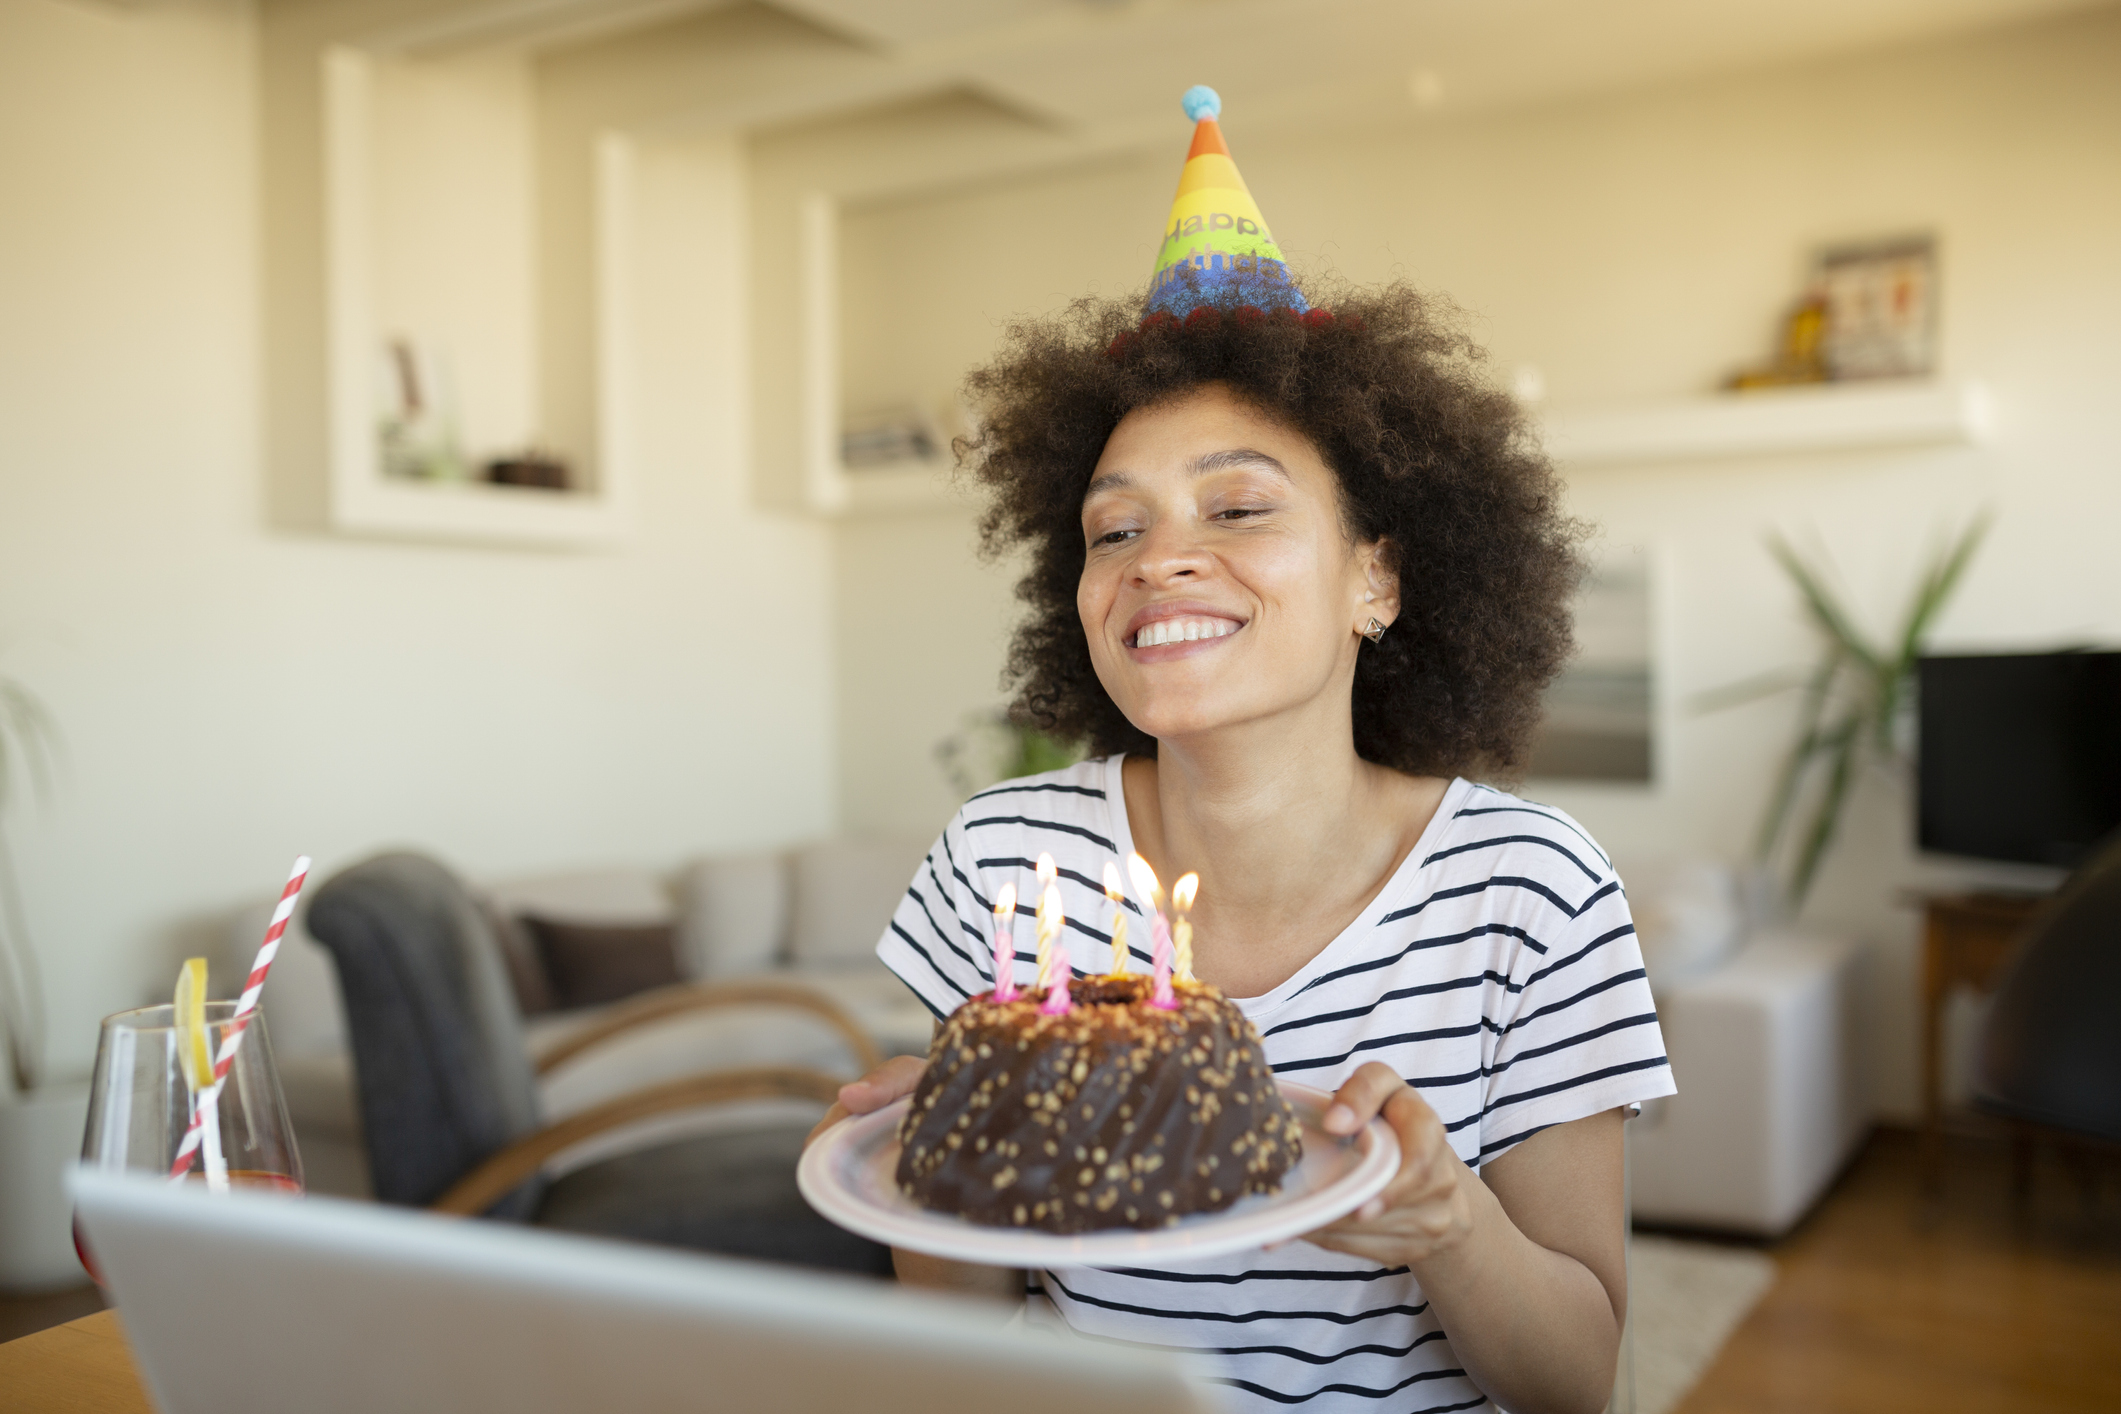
{"x": 1583, "y": 1035}
{"x": 939, "y": 941}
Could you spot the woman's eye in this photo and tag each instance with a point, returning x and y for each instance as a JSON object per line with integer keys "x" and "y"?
{"x": 1115, "y": 537}
{"x": 1240, "y": 512}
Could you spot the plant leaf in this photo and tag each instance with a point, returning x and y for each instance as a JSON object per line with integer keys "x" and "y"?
{"x": 1931, "y": 595}
{"x": 1826, "y": 612}
{"x": 1752, "y": 689}
{"x": 1816, "y": 696}
{"x": 1844, "y": 743}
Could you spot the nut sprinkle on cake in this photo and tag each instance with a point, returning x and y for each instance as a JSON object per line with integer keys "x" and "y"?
{"x": 1113, "y": 1114}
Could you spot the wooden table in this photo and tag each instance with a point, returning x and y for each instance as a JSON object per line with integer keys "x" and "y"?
{"x": 1967, "y": 940}
{"x": 82, "y": 1367}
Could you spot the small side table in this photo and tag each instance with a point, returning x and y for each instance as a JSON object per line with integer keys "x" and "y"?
{"x": 1967, "y": 940}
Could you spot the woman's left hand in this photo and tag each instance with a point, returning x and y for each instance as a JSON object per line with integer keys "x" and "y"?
{"x": 1427, "y": 1208}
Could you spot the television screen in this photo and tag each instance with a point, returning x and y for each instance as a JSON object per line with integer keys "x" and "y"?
{"x": 2020, "y": 755}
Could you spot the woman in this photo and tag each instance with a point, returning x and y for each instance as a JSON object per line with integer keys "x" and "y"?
{"x": 1295, "y": 579}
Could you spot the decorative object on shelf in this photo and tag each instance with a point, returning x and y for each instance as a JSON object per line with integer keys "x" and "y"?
{"x": 890, "y": 437}
{"x": 1855, "y": 700}
{"x": 988, "y": 747}
{"x": 1881, "y": 309}
{"x": 1869, "y": 311}
{"x": 1799, "y": 355}
{"x": 531, "y": 468}
{"x": 416, "y": 427}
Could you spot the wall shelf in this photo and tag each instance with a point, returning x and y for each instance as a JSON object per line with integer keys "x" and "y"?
{"x": 1832, "y": 418}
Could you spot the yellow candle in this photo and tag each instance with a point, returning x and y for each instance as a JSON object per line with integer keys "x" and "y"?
{"x": 1182, "y": 894}
{"x": 1050, "y": 922}
{"x": 1119, "y": 919}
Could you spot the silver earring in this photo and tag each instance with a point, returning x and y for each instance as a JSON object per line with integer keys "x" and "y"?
{"x": 1374, "y": 632}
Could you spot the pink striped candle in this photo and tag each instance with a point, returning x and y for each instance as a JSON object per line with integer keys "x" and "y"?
{"x": 1053, "y": 949}
{"x": 203, "y": 1104}
{"x": 1152, "y": 895}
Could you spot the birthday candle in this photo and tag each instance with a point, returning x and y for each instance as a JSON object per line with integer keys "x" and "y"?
{"x": 1005, "y": 944}
{"x": 1119, "y": 919}
{"x": 1053, "y": 948}
{"x": 1182, "y": 894}
{"x": 1046, "y": 876}
{"x": 1152, "y": 893}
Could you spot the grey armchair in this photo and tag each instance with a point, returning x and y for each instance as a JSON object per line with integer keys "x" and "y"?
{"x": 2051, "y": 1049}
{"x": 448, "y": 1093}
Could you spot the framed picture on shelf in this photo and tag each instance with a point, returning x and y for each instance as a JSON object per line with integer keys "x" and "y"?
{"x": 1880, "y": 308}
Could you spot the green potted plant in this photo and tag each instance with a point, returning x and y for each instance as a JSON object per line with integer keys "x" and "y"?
{"x": 40, "y": 1121}
{"x": 1856, "y": 696}
{"x": 990, "y": 746}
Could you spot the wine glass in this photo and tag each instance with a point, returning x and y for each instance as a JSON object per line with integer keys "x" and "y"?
{"x": 139, "y": 1107}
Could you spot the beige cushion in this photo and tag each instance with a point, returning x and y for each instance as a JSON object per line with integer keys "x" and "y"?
{"x": 733, "y": 915}
{"x": 845, "y": 893}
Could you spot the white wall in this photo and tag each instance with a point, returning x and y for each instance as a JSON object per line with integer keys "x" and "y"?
{"x": 232, "y": 693}
{"x": 1631, "y": 246}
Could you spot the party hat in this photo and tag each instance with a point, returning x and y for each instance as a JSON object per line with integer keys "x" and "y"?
{"x": 1216, "y": 231}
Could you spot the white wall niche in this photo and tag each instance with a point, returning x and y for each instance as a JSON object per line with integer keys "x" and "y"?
{"x": 402, "y": 138}
{"x": 830, "y": 486}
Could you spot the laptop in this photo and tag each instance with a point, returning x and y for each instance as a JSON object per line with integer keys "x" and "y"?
{"x": 250, "y": 1302}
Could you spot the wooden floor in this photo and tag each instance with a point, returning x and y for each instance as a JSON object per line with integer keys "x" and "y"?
{"x": 1888, "y": 1302}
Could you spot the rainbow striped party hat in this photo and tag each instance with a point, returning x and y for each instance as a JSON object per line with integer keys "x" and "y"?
{"x": 1216, "y": 232}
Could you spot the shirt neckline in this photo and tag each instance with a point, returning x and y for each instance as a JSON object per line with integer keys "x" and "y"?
{"x": 1351, "y": 938}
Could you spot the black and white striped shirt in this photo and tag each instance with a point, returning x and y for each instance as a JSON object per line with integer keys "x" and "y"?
{"x": 1497, "y": 972}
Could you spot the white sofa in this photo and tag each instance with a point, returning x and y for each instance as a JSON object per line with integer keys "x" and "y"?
{"x": 810, "y": 915}
{"x": 1762, "y": 1025}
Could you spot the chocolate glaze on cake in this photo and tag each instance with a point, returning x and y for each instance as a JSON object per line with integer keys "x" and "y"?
{"x": 1116, "y": 1114}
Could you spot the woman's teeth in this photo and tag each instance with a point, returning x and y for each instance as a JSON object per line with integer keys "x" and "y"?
{"x": 1183, "y": 631}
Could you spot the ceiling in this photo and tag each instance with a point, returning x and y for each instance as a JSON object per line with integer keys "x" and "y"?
{"x": 1099, "y": 75}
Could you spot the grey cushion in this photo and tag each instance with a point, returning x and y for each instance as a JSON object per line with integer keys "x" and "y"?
{"x": 732, "y": 1192}
{"x": 444, "y": 1076}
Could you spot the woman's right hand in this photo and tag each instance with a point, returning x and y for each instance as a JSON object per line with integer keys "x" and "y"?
{"x": 892, "y": 1080}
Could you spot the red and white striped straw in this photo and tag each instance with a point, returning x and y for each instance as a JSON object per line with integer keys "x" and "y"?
{"x": 203, "y": 1102}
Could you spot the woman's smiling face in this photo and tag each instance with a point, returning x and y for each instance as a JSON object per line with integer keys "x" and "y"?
{"x": 1219, "y": 584}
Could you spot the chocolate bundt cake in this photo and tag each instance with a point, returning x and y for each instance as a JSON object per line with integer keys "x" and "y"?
{"x": 1113, "y": 1114}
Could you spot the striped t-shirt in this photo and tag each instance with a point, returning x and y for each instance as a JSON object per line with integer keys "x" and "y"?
{"x": 1497, "y": 972}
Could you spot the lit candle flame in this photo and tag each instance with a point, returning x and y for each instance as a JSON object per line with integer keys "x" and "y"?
{"x": 1182, "y": 894}
{"x": 1046, "y": 872}
{"x": 1119, "y": 919}
{"x": 1145, "y": 885}
{"x": 1005, "y": 943}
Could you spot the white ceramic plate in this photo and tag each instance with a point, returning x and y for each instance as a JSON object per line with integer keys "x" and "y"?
{"x": 849, "y": 1175}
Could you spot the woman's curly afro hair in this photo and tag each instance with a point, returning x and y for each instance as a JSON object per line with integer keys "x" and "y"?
{"x": 1430, "y": 460}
